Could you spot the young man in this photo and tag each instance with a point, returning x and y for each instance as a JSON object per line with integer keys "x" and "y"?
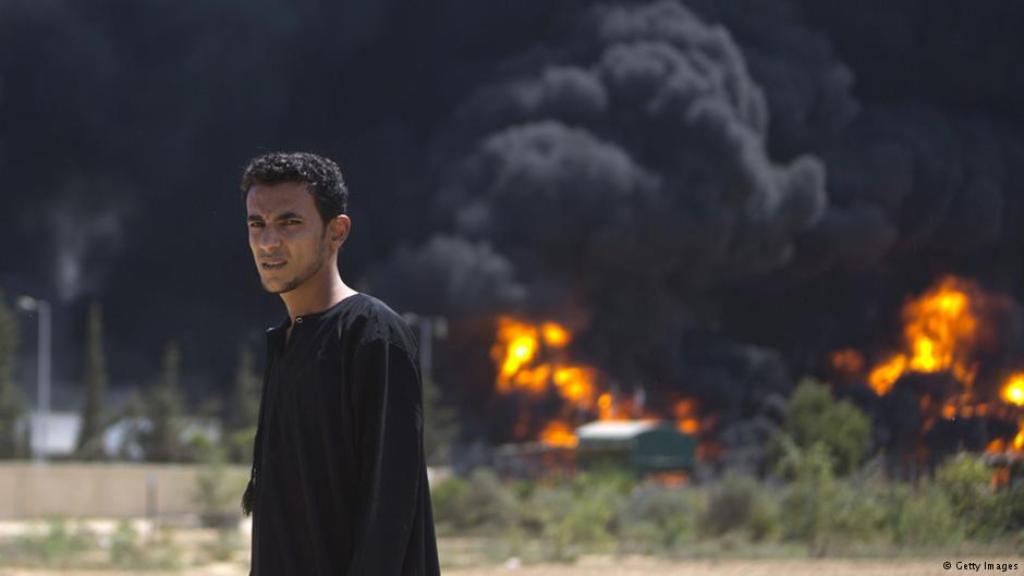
{"x": 339, "y": 483}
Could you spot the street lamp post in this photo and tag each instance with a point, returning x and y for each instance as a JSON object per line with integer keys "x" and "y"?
{"x": 42, "y": 308}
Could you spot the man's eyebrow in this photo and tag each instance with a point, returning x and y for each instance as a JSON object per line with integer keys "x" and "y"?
{"x": 279, "y": 217}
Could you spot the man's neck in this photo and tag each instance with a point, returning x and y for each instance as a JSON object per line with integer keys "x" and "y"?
{"x": 316, "y": 295}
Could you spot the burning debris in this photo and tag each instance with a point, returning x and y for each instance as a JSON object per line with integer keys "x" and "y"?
{"x": 532, "y": 361}
{"x": 942, "y": 359}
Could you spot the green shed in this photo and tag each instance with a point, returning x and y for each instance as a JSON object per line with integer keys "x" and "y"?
{"x": 643, "y": 445}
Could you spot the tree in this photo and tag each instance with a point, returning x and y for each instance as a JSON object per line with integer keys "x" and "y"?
{"x": 11, "y": 403}
{"x": 439, "y": 428}
{"x": 164, "y": 408}
{"x": 132, "y": 442}
{"x": 90, "y": 439}
{"x": 813, "y": 416}
{"x": 245, "y": 409}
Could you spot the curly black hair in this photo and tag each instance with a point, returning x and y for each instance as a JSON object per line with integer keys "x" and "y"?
{"x": 322, "y": 176}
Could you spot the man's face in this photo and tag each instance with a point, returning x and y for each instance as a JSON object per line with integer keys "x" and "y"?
{"x": 288, "y": 239}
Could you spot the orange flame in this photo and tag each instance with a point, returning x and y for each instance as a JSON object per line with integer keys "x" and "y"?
{"x": 559, "y": 434}
{"x": 996, "y": 445}
{"x": 884, "y": 376}
{"x": 1013, "y": 390}
{"x": 576, "y": 385}
{"x": 516, "y": 346}
{"x": 847, "y": 361}
{"x": 555, "y": 335}
{"x": 531, "y": 358}
{"x": 940, "y": 330}
{"x": 685, "y": 412}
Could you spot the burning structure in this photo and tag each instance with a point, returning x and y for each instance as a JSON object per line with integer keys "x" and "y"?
{"x": 672, "y": 210}
{"x": 944, "y": 385}
{"x": 947, "y": 374}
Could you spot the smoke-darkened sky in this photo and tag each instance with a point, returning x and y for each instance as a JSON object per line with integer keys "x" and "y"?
{"x": 780, "y": 174}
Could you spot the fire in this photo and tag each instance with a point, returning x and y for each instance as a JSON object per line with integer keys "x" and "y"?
{"x": 884, "y": 376}
{"x": 685, "y": 412}
{"x": 605, "y": 407}
{"x": 940, "y": 327}
{"x": 847, "y": 361}
{"x": 576, "y": 385}
{"x": 939, "y": 333}
{"x": 531, "y": 359}
{"x": 1013, "y": 391}
{"x": 995, "y": 446}
{"x": 942, "y": 332}
{"x": 516, "y": 346}
{"x": 555, "y": 335}
{"x": 559, "y": 434}
{"x": 670, "y": 479}
{"x": 517, "y": 351}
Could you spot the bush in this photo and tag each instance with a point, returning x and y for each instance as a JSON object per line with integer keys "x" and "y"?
{"x": 480, "y": 502}
{"x": 656, "y": 518}
{"x": 859, "y": 513}
{"x": 811, "y": 496}
{"x": 813, "y": 416}
{"x": 59, "y": 546}
{"x": 925, "y": 517}
{"x": 732, "y": 506}
{"x": 125, "y": 550}
{"x": 568, "y": 520}
{"x": 218, "y": 490}
{"x": 965, "y": 481}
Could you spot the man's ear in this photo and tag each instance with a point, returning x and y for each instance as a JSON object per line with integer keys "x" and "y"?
{"x": 339, "y": 228}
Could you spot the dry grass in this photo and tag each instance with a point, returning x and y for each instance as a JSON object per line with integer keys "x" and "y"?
{"x": 652, "y": 567}
{"x": 598, "y": 566}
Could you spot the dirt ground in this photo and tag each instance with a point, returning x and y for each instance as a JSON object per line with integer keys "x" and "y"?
{"x": 653, "y": 567}
{"x": 460, "y": 552}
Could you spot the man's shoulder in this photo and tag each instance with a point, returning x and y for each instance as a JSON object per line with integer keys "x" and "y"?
{"x": 369, "y": 320}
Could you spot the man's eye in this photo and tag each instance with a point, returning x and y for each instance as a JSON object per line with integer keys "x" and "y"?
{"x": 255, "y": 224}
{"x": 293, "y": 222}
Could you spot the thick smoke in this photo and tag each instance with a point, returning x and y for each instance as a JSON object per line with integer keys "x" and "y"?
{"x": 779, "y": 174}
{"x": 448, "y": 276}
{"x": 629, "y": 162}
{"x": 905, "y": 177}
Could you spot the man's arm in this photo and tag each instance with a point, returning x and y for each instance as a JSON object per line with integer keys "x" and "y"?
{"x": 389, "y": 432}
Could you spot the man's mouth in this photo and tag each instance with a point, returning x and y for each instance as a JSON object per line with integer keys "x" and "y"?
{"x": 272, "y": 264}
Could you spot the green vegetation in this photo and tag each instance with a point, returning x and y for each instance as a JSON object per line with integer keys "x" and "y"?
{"x": 440, "y": 426}
{"x": 820, "y": 499}
{"x": 813, "y": 416}
{"x": 806, "y": 509}
{"x": 244, "y": 410}
{"x": 12, "y": 407}
{"x": 164, "y": 407}
{"x": 62, "y": 545}
{"x": 94, "y": 419}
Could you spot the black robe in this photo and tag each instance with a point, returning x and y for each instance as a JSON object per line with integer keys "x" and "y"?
{"x": 339, "y": 482}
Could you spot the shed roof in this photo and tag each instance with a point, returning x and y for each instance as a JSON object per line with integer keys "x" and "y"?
{"x": 616, "y": 429}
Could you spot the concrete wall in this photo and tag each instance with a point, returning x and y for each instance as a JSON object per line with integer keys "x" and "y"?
{"x": 118, "y": 490}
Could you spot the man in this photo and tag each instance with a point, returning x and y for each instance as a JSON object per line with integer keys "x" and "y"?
{"x": 339, "y": 483}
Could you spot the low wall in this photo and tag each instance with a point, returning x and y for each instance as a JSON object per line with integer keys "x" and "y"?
{"x": 116, "y": 490}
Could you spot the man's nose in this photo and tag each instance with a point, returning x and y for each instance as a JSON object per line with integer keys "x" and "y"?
{"x": 268, "y": 238}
